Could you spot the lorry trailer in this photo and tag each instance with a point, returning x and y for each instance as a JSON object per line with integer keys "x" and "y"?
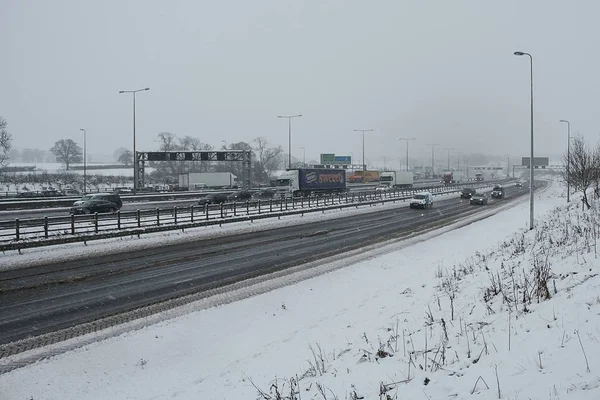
{"x": 397, "y": 179}
{"x": 452, "y": 177}
{"x": 310, "y": 181}
{"x": 202, "y": 180}
{"x": 364, "y": 177}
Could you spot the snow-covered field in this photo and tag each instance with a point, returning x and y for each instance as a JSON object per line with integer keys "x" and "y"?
{"x": 455, "y": 316}
{"x": 58, "y": 167}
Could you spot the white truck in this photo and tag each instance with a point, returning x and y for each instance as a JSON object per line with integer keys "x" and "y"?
{"x": 204, "y": 180}
{"x": 397, "y": 179}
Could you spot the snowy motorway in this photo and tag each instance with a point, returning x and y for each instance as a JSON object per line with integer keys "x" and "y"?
{"x": 47, "y": 298}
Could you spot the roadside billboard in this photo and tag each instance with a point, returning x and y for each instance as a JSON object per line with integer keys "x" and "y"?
{"x": 327, "y": 158}
{"x": 342, "y": 160}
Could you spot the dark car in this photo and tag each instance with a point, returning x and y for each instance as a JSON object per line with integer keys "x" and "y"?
{"x": 27, "y": 194}
{"x": 519, "y": 184}
{"x": 92, "y": 205}
{"x": 466, "y": 193}
{"x": 110, "y": 197}
{"x": 213, "y": 198}
{"x": 122, "y": 190}
{"x": 479, "y": 198}
{"x": 50, "y": 193}
{"x": 70, "y": 192}
{"x": 498, "y": 192}
{"x": 241, "y": 195}
{"x": 265, "y": 194}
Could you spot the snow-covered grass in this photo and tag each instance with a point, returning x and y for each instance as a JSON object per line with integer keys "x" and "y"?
{"x": 58, "y": 167}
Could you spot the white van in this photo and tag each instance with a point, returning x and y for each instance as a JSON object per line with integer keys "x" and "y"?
{"x": 422, "y": 200}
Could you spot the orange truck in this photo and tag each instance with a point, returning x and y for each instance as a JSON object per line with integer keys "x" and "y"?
{"x": 364, "y": 177}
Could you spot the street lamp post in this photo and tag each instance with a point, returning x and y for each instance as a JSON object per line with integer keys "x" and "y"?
{"x": 303, "y": 157}
{"x": 289, "y": 118}
{"x": 449, "y": 150}
{"x": 84, "y": 161}
{"x": 568, "y": 155}
{"x": 432, "y": 158}
{"x": 407, "y": 140}
{"x": 364, "y": 164}
{"x": 531, "y": 183}
{"x": 135, "y": 164}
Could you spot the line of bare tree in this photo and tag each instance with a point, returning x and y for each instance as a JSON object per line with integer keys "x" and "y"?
{"x": 583, "y": 169}
{"x": 265, "y": 159}
{"x": 5, "y": 142}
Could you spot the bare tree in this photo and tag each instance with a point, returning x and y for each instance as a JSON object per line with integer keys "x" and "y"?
{"x": 596, "y": 171}
{"x": 268, "y": 159}
{"x": 117, "y": 153}
{"x": 5, "y": 143}
{"x": 197, "y": 145}
{"x": 126, "y": 157}
{"x": 167, "y": 141}
{"x": 67, "y": 152}
{"x": 582, "y": 168}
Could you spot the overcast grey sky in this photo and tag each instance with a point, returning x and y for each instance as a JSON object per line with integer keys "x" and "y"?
{"x": 441, "y": 71}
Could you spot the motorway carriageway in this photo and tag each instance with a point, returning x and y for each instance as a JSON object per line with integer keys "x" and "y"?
{"x": 143, "y": 205}
{"x": 47, "y": 298}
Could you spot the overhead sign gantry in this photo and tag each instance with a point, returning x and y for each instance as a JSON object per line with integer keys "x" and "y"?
{"x": 243, "y": 156}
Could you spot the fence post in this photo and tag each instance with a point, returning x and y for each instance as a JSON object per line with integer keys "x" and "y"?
{"x": 270, "y": 205}
{"x": 234, "y": 209}
{"x": 259, "y": 206}
{"x": 138, "y": 218}
{"x": 17, "y": 228}
{"x": 119, "y": 220}
{"x": 247, "y": 207}
{"x": 192, "y": 213}
{"x": 157, "y": 216}
{"x": 302, "y": 202}
{"x": 309, "y": 196}
{"x": 175, "y": 215}
{"x": 46, "y": 227}
{"x": 95, "y": 222}
{"x": 286, "y": 204}
{"x": 221, "y": 210}
{"x": 317, "y": 199}
{"x": 206, "y": 211}
{"x": 281, "y": 204}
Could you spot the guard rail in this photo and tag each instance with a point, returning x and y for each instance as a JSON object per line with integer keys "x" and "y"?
{"x": 36, "y": 232}
{"x": 63, "y": 202}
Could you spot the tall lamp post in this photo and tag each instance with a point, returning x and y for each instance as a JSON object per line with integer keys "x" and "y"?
{"x": 289, "y": 118}
{"x": 449, "y": 150}
{"x": 531, "y": 183}
{"x": 407, "y": 140}
{"x": 432, "y": 158}
{"x": 135, "y": 164}
{"x": 84, "y": 161}
{"x": 568, "y": 155}
{"x": 363, "y": 145}
{"x": 303, "y": 157}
